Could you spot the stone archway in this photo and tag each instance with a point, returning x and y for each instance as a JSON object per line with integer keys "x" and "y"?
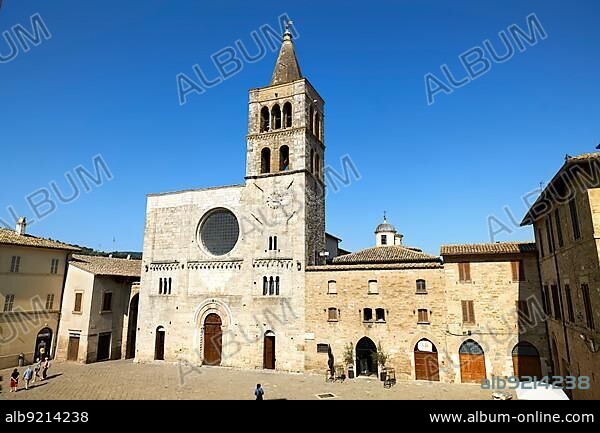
{"x": 43, "y": 344}
{"x": 132, "y": 327}
{"x": 366, "y": 365}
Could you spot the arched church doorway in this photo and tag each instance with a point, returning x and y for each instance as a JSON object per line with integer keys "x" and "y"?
{"x": 269, "y": 351}
{"x": 159, "y": 347}
{"x": 365, "y": 359}
{"x": 43, "y": 343}
{"x": 472, "y": 362}
{"x": 426, "y": 361}
{"x": 213, "y": 339}
{"x": 132, "y": 327}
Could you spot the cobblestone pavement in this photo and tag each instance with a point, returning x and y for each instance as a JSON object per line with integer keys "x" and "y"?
{"x": 124, "y": 379}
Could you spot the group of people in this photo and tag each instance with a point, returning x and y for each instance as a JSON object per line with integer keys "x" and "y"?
{"x": 30, "y": 374}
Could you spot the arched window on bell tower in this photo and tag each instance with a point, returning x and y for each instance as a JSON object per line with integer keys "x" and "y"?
{"x": 284, "y": 158}
{"x": 276, "y": 117}
{"x": 311, "y": 118}
{"x": 264, "y": 119}
{"x": 317, "y": 166}
{"x": 311, "y": 162}
{"x": 265, "y": 160}
{"x": 317, "y": 130}
{"x": 287, "y": 115}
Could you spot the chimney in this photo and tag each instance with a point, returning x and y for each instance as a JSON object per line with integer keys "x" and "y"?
{"x": 128, "y": 256}
{"x": 21, "y": 226}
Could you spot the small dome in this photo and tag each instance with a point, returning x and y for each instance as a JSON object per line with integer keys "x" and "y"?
{"x": 385, "y": 227}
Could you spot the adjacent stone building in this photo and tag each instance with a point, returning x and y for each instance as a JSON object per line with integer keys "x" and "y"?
{"x": 566, "y": 221}
{"x": 98, "y": 320}
{"x": 32, "y": 274}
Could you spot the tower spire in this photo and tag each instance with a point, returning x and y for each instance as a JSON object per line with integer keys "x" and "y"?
{"x": 287, "y": 68}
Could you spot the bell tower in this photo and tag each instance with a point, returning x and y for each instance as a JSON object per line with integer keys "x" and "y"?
{"x": 285, "y": 140}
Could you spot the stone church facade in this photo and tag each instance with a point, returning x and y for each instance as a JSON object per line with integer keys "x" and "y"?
{"x": 236, "y": 275}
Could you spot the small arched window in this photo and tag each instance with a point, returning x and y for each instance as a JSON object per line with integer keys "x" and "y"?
{"x": 380, "y": 315}
{"x": 275, "y": 243}
{"x": 317, "y": 166}
{"x": 265, "y": 160}
{"x": 421, "y": 286}
{"x": 332, "y": 314}
{"x": 265, "y": 286}
{"x": 317, "y": 130}
{"x": 277, "y": 286}
{"x": 312, "y": 161}
{"x": 270, "y": 243}
{"x": 367, "y": 315}
{"x": 160, "y": 286}
{"x": 287, "y": 115}
{"x": 271, "y": 286}
{"x": 331, "y": 287}
{"x": 264, "y": 119}
{"x": 170, "y": 284}
{"x": 276, "y": 117}
{"x": 284, "y": 158}
{"x": 311, "y": 118}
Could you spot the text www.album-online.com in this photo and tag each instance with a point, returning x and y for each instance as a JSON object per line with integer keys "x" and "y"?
{"x": 504, "y": 417}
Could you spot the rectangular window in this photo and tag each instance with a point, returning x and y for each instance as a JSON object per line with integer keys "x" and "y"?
{"x": 54, "y": 266}
{"x": 367, "y": 315}
{"x": 78, "y": 299}
{"x": 373, "y": 287}
{"x": 331, "y": 288}
{"x": 322, "y": 348}
{"x": 587, "y": 305}
{"x": 383, "y": 239}
{"x": 468, "y": 312}
{"x": 570, "y": 311}
{"x": 107, "y": 301}
{"x": 332, "y": 314}
{"x": 546, "y": 296}
{"x": 561, "y": 240}
{"x": 556, "y": 303}
{"x": 421, "y": 287}
{"x": 423, "y": 316}
{"x": 464, "y": 272}
{"x": 15, "y": 264}
{"x": 49, "y": 301}
{"x": 380, "y": 315}
{"x": 574, "y": 220}
{"x": 9, "y": 301}
{"x": 549, "y": 237}
{"x": 518, "y": 271}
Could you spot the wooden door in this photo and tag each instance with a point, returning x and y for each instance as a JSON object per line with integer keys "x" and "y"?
{"x": 73, "y": 349}
{"x": 269, "y": 352}
{"x": 525, "y": 365}
{"x": 213, "y": 340}
{"x": 472, "y": 368}
{"x": 426, "y": 366}
{"x": 103, "y": 352}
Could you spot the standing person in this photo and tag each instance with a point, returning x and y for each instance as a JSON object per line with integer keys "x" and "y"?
{"x": 259, "y": 392}
{"x": 14, "y": 380}
{"x": 36, "y": 369}
{"x": 45, "y": 369}
{"x": 27, "y": 376}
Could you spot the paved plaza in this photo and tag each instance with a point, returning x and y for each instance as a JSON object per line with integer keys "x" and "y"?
{"x": 127, "y": 380}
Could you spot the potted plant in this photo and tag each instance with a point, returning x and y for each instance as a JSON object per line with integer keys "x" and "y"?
{"x": 349, "y": 359}
{"x": 380, "y": 358}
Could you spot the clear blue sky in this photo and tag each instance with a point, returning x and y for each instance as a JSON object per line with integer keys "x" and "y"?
{"x": 105, "y": 84}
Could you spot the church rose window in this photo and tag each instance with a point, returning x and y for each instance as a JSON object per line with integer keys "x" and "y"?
{"x": 219, "y": 232}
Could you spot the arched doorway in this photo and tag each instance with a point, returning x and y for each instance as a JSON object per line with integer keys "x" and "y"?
{"x": 426, "y": 361}
{"x": 472, "y": 362}
{"x": 269, "y": 351}
{"x": 132, "y": 327}
{"x": 43, "y": 343}
{"x": 526, "y": 360}
{"x": 213, "y": 339}
{"x": 365, "y": 363}
{"x": 159, "y": 347}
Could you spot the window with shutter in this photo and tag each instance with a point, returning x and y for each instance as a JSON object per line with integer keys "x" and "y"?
{"x": 587, "y": 304}
{"x": 78, "y": 299}
{"x": 423, "y": 316}
{"x": 332, "y": 314}
{"x": 570, "y": 311}
{"x": 468, "y": 312}
{"x": 464, "y": 272}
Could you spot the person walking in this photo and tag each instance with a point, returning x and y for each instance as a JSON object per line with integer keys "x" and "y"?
{"x": 36, "y": 369}
{"x": 45, "y": 369}
{"x": 259, "y": 392}
{"x": 14, "y": 380}
{"x": 27, "y": 376}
